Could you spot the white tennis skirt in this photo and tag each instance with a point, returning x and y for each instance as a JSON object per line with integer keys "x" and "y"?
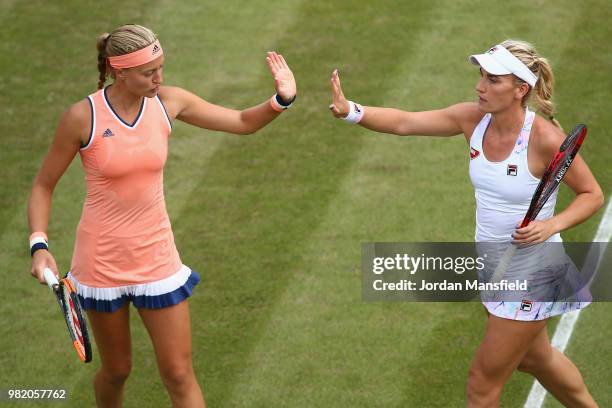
{"x": 550, "y": 273}
{"x": 151, "y": 295}
{"x": 531, "y": 311}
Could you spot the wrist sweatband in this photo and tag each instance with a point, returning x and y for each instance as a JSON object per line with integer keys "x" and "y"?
{"x": 38, "y": 240}
{"x": 277, "y": 103}
{"x": 356, "y": 112}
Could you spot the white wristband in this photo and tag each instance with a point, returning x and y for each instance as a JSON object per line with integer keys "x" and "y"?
{"x": 38, "y": 240}
{"x": 277, "y": 106}
{"x": 356, "y": 112}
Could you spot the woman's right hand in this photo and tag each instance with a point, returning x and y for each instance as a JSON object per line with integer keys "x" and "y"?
{"x": 43, "y": 259}
{"x": 339, "y": 105}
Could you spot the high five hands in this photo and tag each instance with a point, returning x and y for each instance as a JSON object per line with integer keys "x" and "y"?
{"x": 339, "y": 105}
{"x": 286, "y": 87}
{"x": 283, "y": 77}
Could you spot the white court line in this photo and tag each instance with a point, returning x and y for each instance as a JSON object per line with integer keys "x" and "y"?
{"x": 536, "y": 396}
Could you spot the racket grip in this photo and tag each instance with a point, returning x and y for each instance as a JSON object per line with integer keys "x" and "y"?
{"x": 504, "y": 263}
{"x": 500, "y": 271}
{"x": 50, "y": 277}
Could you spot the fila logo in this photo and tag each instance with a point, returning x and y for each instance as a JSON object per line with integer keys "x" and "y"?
{"x": 155, "y": 49}
{"x": 512, "y": 170}
{"x": 108, "y": 133}
{"x": 473, "y": 153}
{"x": 492, "y": 50}
{"x": 526, "y": 305}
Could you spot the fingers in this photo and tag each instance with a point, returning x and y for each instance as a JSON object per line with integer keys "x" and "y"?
{"x": 272, "y": 64}
{"x": 335, "y": 80}
{"x": 335, "y": 111}
{"x": 283, "y": 63}
{"x": 524, "y": 230}
{"x": 38, "y": 274}
{"x": 336, "y": 77}
{"x": 336, "y": 91}
{"x": 275, "y": 58}
{"x": 339, "y": 106}
{"x": 42, "y": 259}
{"x": 339, "y": 110}
{"x": 276, "y": 61}
{"x": 531, "y": 234}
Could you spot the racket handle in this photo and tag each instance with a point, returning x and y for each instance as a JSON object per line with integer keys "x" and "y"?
{"x": 50, "y": 277}
{"x": 500, "y": 270}
{"x": 503, "y": 264}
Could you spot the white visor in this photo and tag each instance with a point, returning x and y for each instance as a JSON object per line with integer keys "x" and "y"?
{"x": 500, "y": 61}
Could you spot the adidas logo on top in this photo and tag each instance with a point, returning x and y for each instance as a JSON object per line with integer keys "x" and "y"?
{"x": 155, "y": 49}
{"x": 108, "y": 133}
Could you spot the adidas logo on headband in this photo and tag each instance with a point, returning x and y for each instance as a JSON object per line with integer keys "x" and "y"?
{"x": 155, "y": 50}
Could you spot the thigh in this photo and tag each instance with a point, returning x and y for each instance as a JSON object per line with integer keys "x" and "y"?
{"x": 112, "y": 334}
{"x": 170, "y": 332}
{"x": 505, "y": 344}
{"x": 538, "y": 353}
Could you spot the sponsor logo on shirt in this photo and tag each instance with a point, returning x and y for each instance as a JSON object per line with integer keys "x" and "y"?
{"x": 526, "y": 305}
{"x": 512, "y": 170}
{"x": 108, "y": 133}
{"x": 473, "y": 153}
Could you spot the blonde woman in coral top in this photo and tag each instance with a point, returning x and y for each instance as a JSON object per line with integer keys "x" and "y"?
{"x": 124, "y": 250}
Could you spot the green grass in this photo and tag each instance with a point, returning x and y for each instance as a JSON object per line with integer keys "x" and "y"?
{"x": 274, "y": 221}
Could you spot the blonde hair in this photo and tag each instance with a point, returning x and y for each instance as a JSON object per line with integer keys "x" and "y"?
{"x": 123, "y": 40}
{"x": 540, "y": 66}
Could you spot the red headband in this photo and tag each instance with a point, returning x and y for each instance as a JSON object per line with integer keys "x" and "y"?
{"x": 136, "y": 58}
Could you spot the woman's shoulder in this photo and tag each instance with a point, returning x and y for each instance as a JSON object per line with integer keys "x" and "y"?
{"x": 79, "y": 113}
{"x": 167, "y": 92}
{"x": 75, "y": 122}
{"x": 469, "y": 115}
{"x": 545, "y": 136}
{"x": 175, "y": 99}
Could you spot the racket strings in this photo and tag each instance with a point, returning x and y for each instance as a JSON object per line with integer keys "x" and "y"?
{"x": 74, "y": 321}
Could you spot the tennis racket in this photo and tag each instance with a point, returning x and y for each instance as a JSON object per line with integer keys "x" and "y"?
{"x": 75, "y": 320}
{"x": 550, "y": 181}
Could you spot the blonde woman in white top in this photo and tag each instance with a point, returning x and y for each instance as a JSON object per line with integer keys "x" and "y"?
{"x": 497, "y": 127}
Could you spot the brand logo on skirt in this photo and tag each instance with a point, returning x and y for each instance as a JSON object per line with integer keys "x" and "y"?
{"x": 526, "y": 305}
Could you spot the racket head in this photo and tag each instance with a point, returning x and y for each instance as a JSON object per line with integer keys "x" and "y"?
{"x": 75, "y": 320}
{"x": 555, "y": 171}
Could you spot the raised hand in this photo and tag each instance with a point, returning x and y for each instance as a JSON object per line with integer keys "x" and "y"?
{"x": 283, "y": 77}
{"x": 339, "y": 105}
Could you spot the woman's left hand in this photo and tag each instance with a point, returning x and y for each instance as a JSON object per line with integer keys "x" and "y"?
{"x": 534, "y": 233}
{"x": 283, "y": 77}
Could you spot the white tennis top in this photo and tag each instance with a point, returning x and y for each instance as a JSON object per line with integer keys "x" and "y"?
{"x": 504, "y": 189}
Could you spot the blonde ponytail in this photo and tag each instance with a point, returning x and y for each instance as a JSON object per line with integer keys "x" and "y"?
{"x": 543, "y": 92}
